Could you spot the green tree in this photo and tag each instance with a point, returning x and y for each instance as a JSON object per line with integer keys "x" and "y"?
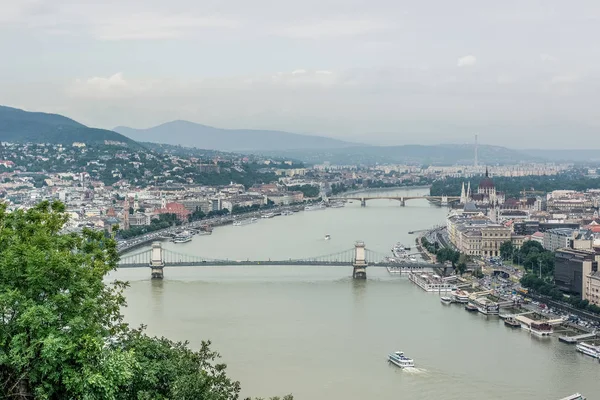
{"x": 506, "y": 249}
{"x": 62, "y": 334}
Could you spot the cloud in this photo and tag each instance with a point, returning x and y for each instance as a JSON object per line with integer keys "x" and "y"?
{"x": 114, "y": 86}
{"x": 547, "y": 58}
{"x": 564, "y": 79}
{"x": 332, "y": 28}
{"x": 466, "y": 61}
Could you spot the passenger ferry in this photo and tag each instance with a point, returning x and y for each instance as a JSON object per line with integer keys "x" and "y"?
{"x": 247, "y": 221}
{"x": 460, "y": 296}
{"x": 400, "y": 360}
{"x": 446, "y": 300}
{"x": 487, "y": 307}
{"x": 512, "y": 323}
{"x": 400, "y": 251}
{"x": 430, "y": 282}
{"x": 337, "y": 204}
{"x": 471, "y": 307}
{"x": 538, "y": 328}
{"x": 182, "y": 237}
{"x": 588, "y": 349}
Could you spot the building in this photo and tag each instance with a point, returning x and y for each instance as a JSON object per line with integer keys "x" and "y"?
{"x": 175, "y": 208}
{"x": 568, "y": 238}
{"x": 139, "y": 219}
{"x": 492, "y": 237}
{"x": 592, "y": 288}
{"x": 571, "y": 269}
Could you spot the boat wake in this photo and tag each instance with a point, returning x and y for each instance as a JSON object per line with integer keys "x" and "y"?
{"x": 414, "y": 370}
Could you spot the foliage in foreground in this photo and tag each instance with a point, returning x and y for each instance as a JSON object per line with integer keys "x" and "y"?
{"x": 62, "y": 335}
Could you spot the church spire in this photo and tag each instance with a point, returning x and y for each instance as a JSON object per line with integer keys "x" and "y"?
{"x": 463, "y": 195}
{"x": 486, "y": 172}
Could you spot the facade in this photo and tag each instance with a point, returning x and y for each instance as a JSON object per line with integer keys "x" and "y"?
{"x": 558, "y": 238}
{"x": 571, "y": 269}
{"x": 139, "y": 219}
{"x": 592, "y": 288}
{"x": 492, "y": 237}
{"x": 175, "y": 208}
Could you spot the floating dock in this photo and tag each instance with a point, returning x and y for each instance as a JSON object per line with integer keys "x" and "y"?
{"x": 575, "y": 339}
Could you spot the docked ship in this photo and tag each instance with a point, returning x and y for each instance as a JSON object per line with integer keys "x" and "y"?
{"x": 538, "y": 328}
{"x": 247, "y": 221}
{"x": 460, "y": 296}
{"x": 588, "y": 349}
{"x": 337, "y": 204}
{"x": 286, "y": 212}
{"x": 576, "y": 396}
{"x": 471, "y": 307}
{"x": 314, "y": 207}
{"x": 400, "y": 251}
{"x": 182, "y": 237}
{"x": 512, "y": 323}
{"x": 268, "y": 215}
{"x": 431, "y": 283}
{"x": 400, "y": 360}
{"x": 486, "y": 306}
{"x": 446, "y": 300}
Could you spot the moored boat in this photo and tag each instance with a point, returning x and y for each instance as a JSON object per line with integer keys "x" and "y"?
{"x": 460, "y": 296}
{"x": 538, "y": 328}
{"x": 182, "y": 237}
{"x": 471, "y": 307}
{"x": 446, "y": 300}
{"x": 400, "y": 360}
{"x": 588, "y": 349}
{"x": 511, "y": 322}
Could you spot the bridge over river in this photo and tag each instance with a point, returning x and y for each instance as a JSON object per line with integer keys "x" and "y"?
{"x": 441, "y": 200}
{"x": 359, "y": 258}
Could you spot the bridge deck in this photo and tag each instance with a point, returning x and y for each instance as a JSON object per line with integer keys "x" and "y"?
{"x": 407, "y": 266}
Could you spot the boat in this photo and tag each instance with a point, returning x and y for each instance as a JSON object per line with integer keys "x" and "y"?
{"x": 400, "y": 251}
{"x": 487, "y": 307}
{"x": 399, "y": 359}
{"x": 182, "y": 237}
{"x": 247, "y": 221}
{"x": 327, "y": 237}
{"x": 471, "y": 307}
{"x": 588, "y": 349}
{"x": 511, "y": 322}
{"x": 446, "y": 300}
{"x": 460, "y": 296}
{"x": 576, "y": 396}
{"x": 286, "y": 212}
{"x": 268, "y": 215}
{"x": 538, "y": 328}
{"x": 314, "y": 207}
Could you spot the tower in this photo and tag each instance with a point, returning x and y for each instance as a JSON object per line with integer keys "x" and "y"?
{"x": 136, "y": 204}
{"x": 126, "y": 213}
{"x": 463, "y": 194}
{"x": 156, "y": 262}
{"x": 476, "y": 160}
{"x": 469, "y": 191}
{"x": 163, "y": 201}
{"x": 359, "y": 264}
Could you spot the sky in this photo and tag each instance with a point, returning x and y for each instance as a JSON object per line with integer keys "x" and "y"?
{"x": 519, "y": 73}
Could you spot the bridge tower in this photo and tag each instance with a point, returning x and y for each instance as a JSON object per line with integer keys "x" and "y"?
{"x": 363, "y": 202}
{"x": 402, "y": 202}
{"x": 360, "y": 263}
{"x": 444, "y": 200}
{"x": 156, "y": 261}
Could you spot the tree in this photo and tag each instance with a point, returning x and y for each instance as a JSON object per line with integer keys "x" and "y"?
{"x": 461, "y": 268}
{"x": 62, "y": 333}
{"x": 506, "y": 249}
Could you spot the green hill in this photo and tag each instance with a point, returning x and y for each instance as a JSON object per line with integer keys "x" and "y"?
{"x": 22, "y": 126}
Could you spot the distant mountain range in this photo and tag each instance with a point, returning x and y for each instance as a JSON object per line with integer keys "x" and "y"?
{"x": 187, "y": 133}
{"x": 22, "y": 126}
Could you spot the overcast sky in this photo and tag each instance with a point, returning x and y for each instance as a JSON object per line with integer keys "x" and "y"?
{"x": 520, "y": 73}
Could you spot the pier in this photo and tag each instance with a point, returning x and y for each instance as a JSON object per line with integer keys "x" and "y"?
{"x": 575, "y": 339}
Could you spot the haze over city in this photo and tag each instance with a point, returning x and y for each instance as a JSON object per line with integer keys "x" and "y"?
{"x": 381, "y": 72}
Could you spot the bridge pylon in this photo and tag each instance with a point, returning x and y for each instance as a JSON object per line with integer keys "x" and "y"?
{"x": 156, "y": 261}
{"x": 363, "y": 202}
{"x": 359, "y": 264}
{"x": 402, "y": 202}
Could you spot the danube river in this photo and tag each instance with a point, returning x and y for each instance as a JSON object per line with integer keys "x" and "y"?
{"x": 316, "y": 333}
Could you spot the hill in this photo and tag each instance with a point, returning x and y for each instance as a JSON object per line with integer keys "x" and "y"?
{"x": 445, "y": 154}
{"x": 187, "y": 133}
{"x": 21, "y": 126}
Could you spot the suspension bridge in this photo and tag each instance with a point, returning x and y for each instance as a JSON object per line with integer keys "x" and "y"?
{"x": 157, "y": 258}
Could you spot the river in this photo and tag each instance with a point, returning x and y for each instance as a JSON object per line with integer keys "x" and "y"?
{"x": 316, "y": 333}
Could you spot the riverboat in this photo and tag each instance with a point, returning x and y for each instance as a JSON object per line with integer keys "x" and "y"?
{"x": 327, "y": 237}
{"x": 287, "y": 212}
{"x": 430, "y": 282}
{"x": 182, "y": 237}
{"x": 588, "y": 349}
{"x": 314, "y": 207}
{"x": 337, "y": 205}
{"x": 268, "y": 215}
{"x": 512, "y": 323}
{"x": 460, "y": 296}
{"x": 471, "y": 307}
{"x": 400, "y": 360}
{"x": 241, "y": 222}
{"x": 486, "y": 306}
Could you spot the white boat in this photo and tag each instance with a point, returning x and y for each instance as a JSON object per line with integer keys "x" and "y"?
{"x": 286, "y": 212}
{"x": 399, "y": 359}
{"x": 446, "y": 300}
{"x": 247, "y": 221}
{"x": 576, "y": 396}
{"x": 327, "y": 237}
{"x": 337, "y": 205}
{"x": 460, "y": 296}
{"x": 314, "y": 207}
{"x": 182, "y": 237}
{"x": 268, "y": 215}
{"x": 487, "y": 307}
{"x": 588, "y": 349}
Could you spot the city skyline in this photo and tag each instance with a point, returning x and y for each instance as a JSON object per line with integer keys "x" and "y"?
{"x": 381, "y": 72}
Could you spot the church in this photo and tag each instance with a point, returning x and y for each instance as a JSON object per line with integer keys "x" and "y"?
{"x": 486, "y": 193}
